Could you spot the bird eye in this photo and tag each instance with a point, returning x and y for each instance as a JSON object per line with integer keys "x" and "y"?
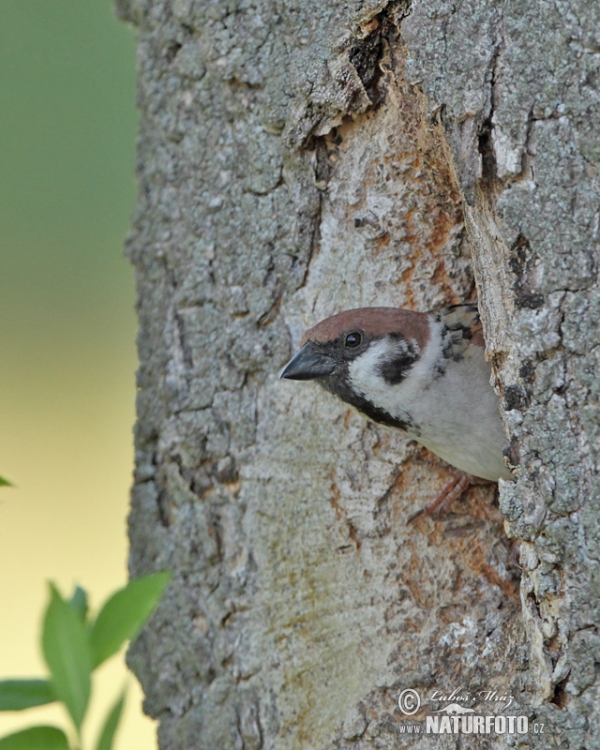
{"x": 352, "y": 340}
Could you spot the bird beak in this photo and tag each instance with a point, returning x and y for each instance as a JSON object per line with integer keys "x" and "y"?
{"x": 308, "y": 364}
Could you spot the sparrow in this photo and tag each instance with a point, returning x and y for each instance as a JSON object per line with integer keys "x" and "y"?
{"x": 423, "y": 373}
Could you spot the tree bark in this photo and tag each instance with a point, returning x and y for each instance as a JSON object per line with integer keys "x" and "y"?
{"x": 297, "y": 159}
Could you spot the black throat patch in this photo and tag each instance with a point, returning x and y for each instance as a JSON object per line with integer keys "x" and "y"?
{"x": 338, "y": 385}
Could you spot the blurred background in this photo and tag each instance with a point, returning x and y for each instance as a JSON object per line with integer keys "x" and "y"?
{"x": 67, "y": 361}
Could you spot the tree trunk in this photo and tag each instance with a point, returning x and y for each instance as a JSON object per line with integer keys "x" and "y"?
{"x": 301, "y": 158}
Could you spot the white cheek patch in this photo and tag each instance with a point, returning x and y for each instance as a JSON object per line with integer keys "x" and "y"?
{"x": 364, "y": 374}
{"x": 402, "y": 398}
{"x": 367, "y": 379}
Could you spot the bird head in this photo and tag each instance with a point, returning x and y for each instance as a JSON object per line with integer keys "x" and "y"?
{"x": 359, "y": 354}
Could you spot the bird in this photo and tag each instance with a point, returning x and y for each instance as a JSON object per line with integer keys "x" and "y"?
{"x": 424, "y": 373}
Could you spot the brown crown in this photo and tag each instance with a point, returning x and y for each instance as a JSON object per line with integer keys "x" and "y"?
{"x": 374, "y": 321}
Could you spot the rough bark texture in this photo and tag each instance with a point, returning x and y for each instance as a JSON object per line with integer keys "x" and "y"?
{"x": 295, "y": 159}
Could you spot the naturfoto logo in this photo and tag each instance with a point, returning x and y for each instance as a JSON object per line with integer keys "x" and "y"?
{"x": 455, "y": 718}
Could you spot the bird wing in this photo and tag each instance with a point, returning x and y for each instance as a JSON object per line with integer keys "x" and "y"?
{"x": 462, "y": 327}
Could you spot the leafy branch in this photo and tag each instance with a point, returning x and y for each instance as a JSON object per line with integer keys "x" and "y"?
{"x": 74, "y": 646}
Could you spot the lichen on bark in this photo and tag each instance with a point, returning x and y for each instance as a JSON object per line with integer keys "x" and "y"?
{"x": 301, "y": 158}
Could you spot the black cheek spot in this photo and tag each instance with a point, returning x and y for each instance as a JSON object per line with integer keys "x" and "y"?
{"x": 393, "y": 371}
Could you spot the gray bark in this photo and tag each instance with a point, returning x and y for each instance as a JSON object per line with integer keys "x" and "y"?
{"x": 300, "y": 158}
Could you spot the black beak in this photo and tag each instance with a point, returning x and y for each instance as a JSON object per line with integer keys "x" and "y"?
{"x": 308, "y": 364}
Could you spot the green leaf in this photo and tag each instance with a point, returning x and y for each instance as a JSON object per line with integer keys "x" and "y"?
{"x": 124, "y": 615}
{"x": 4, "y": 482}
{"x": 15, "y": 695}
{"x": 67, "y": 652}
{"x": 105, "y": 741}
{"x": 79, "y": 602}
{"x": 35, "y": 738}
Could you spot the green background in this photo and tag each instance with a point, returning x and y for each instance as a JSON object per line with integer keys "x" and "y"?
{"x": 67, "y": 154}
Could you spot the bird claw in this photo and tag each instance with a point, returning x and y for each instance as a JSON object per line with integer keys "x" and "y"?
{"x": 454, "y": 489}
